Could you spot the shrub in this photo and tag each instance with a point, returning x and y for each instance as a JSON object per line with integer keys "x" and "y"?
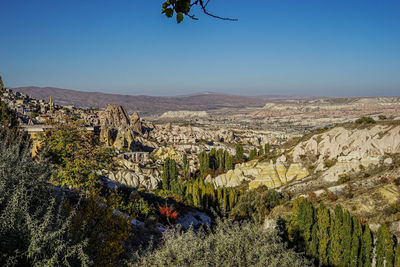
{"x": 343, "y": 178}
{"x": 365, "y": 120}
{"x": 228, "y": 244}
{"x": 256, "y": 204}
{"x": 33, "y": 225}
{"x": 137, "y": 208}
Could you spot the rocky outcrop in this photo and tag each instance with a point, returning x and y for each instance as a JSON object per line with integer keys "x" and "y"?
{"x": 114, "y": 117}
{"x": 117, "y": 129}
{"x": 270, "y": 174}
{"x": 135, "y": 178}
{"x": 351, "y": 149}
{"x": 135, "y": 123}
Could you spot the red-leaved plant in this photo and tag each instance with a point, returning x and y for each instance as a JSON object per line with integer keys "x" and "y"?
{"x": 168, "y": 213}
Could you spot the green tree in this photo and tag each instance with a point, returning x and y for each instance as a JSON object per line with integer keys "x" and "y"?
{"x": 305, "y": 222}
{"x": 233, "y": 198}
{"x": 229, "y": 163}
{"x": 266, "y": 149}
{"x": 166, "y": 179}
{"x": 253, "y": 154}
{"x": 77, "y": 154}
{"x": 335, "y": 249}
{"x": 324, "y": 223}
{"x": 239, "y": 152}
{"x": 186, "y": 167}
{"x": 260, "y": 151}
{"x": 355, "y": 242}
{"x": 346, "y": 241}
{"x": 367, "y": 247}
{"x": 384, "y": 247}
{"x": 314, "y": 241}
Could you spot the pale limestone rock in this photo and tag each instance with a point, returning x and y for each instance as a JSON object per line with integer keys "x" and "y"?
{"x": 388, "y": 161}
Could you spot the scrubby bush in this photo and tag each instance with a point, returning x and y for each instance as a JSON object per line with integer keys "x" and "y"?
{"x": 228, "y": 244}
{"x": 365, "y": 120}
{"x": 33, "y": 225}
{"x": 256, "y": 204}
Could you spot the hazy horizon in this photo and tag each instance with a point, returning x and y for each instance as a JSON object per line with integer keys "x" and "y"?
{"x": 308, "y": 48}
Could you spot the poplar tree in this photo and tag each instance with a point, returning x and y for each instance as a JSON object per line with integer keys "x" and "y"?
{"x": 220, "y": 197}
{"x": 384, "y": 247}
{"x": 346, "y": 241}
{"x": 229, "y": 163}
{"x": 355, "y": 242}
{"x": 305, "y": 223}
{"x": 166, "y": 179}
{"x": 314, "y": 241}
{"x": 225, "y": 200}
{"x": 239, "y": 152}
{"x": 260, "y": 151}
{"x": 232, "y": 198}
{"x": 335, "y": 249}
{"x": 324, "y": 222}
{"x": 367, "y": 248}
{"x": 266, "y": 148}
{"x": 252, "y": 154}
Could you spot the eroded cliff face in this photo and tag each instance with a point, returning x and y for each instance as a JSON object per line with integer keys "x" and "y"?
{"x": 271, "y": 174}
{"x": 325, "y": 157}
{"x": 117, "y": 129}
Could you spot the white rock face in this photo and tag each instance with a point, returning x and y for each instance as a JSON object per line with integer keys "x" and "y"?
{"x": 134, "y": 179}
{"x": 362, "y": 143}
{"x": 271, "y": 174}
{"x": 351, "y": 148}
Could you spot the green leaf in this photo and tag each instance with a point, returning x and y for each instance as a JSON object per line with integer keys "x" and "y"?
{"x": 169, "y": 12}
{"x": 179, "y": 17}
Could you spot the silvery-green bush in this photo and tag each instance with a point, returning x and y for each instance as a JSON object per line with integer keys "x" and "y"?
{"x": 33, "y": 225}
{"x": 228, "y": 244}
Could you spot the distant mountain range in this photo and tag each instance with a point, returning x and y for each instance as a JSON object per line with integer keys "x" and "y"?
{"x": 151, "y": 105}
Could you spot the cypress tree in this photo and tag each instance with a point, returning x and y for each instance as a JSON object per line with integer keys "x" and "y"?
{"x": 196, "y": 195}
{"x": 172, "y": 170}
{"x": 335, "y": 248}
{"x": 305, "y": 223}
{"x": 384, "y": 247}
{"x": 252, "y": 154}
{"x": 367, "y": 247}
{"x": 239, "y": 152}
{"x": 314, "y": 241}
{"x": 260, "y": 151}
{"x": 165, "y": 176}
{"x": 232, "y": 198}
{"x": 229, "y": 163}
{"x": 266, "y": 148}
{"x": 324, "y": 223}
{"x": 355, "y": 242}
{"x": 220, "y": 197}
{"x": 225, "y": 200}
{"x": 346, "y": 241}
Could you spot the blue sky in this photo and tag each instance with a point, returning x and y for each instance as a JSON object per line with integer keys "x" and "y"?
{"x": 302, "y": 47}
